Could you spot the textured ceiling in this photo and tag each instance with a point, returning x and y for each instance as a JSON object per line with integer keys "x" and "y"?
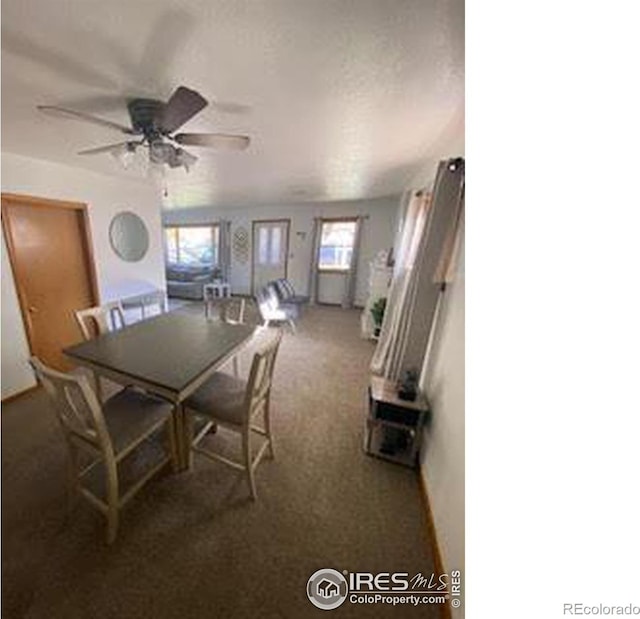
{"x": 342, "y": 99}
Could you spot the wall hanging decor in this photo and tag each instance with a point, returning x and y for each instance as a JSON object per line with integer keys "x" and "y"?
{"x": 129, "y": 236}
{"x": 241, "y": 245}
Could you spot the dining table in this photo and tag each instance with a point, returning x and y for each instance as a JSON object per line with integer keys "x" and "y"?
{"x": 170, "y": 356}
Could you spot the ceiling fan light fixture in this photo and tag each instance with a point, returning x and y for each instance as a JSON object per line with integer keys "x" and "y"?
{"x": 185, "y": 159}
{"x": 160, "y": 152}
{"x": 163, "y": 153}
{"x": 125, "y": 154}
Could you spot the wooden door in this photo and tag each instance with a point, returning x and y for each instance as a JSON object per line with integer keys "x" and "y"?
{"x": 270, "y": 251}
{"x": 51, "y": 259}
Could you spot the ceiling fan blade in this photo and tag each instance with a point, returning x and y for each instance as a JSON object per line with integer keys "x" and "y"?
{"x": 110, "y": 148}
{"x": 231, "y": 107}
{"x": 213, "y": 140}
{"x": 62, "y": 112}
{"x": 183, "y": 105}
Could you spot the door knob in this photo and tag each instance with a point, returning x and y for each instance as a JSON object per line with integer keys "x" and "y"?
{"x": 32, "y": 309}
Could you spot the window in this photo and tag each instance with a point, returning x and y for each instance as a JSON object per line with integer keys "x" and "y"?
{"x": 270, "y": 245}
{"x": 192, "y": 244}
{"x": 336, "y": 245}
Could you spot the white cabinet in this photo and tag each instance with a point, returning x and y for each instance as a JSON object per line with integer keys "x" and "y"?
{"x": 379, "y": 281}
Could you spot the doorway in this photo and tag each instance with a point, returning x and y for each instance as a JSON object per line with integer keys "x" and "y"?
{"x": 270, "y": 252}
{"x": 51, "y": 257}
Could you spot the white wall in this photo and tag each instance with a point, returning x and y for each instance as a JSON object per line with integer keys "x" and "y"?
{"x": 16, "y": 374}
{"x": 105, "y": 196}
{"x": 377, "y": 234}
{"x": 442, "y": 458}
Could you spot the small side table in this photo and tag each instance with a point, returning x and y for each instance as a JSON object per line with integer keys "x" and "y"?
{"x": 216, "y": 290}
{"x": 394, "y": 427}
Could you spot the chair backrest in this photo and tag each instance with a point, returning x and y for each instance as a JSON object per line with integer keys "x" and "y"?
{"x": 285, "y": 289}
{"x": 76, "y": 407}
{"x": 262, "y": 301}
{"x": 158, "y": 298}
{"x": 277, "y": 291}
{"x": 227, "y": 307}
{"x": 289, "y": 291}
{"x": 261, "y": 374}
{"x": 267, "y": 301}
{"x": 100, "y": 319}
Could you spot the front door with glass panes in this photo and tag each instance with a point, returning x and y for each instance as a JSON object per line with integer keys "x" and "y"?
{"x": 270, "y": 248}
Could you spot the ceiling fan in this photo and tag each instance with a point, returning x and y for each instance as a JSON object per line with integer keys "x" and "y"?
{"x": 153, "y": 123}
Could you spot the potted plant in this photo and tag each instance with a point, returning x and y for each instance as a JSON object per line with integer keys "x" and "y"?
{"x": 377, "y": 312}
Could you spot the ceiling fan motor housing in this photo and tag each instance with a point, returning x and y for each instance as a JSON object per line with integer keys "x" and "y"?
{"x": 161, "y": 152}
{"x": 143, "y": 113}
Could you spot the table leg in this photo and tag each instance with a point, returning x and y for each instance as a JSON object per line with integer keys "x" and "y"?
{"x": 188, "y": 437}
{"x": 183, "y": 432}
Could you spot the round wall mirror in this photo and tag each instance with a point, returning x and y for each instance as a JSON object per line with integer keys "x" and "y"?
{"x": 129, "y": 236}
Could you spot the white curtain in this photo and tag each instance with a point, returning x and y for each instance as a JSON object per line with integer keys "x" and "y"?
{"x": 387, "y": 358}
{"x": 351, "y": 276}
{"x": 423, "y": 260}
{"x": 315, "y": 256}
{"x": 225, "y": 249}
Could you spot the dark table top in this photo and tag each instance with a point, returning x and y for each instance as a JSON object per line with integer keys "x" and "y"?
{"x": 170, "y": 350}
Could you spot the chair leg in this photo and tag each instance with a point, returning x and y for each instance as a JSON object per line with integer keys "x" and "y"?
{"x": 189, "y": 426}
{"x": 292, "y": 325}
{"x": 267, "y": 427}
{"x": 112, "y": 502}
{"x": 112, "y": 525}
{"x": 173, "y": 443}
{"x": 72, "y": 474}
{"x": 246, "y": 448}
{"x": 98, "y": 384}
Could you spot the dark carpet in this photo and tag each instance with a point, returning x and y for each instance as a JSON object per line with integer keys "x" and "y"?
{"x": 194, "y": 545}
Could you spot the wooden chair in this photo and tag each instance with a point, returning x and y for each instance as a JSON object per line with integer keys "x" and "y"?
{"x": 147, "y": 304}
{"x": 226, "y": 313}
{"x": 235, "y": 404}
{"x": 227, "y": 307}
{"x": 162, "y": 301}
{"x": 100, "y": 319}
{"x": 105, "y": 434}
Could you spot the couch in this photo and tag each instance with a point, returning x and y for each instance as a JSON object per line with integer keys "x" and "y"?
{"x": 186, "y": 281}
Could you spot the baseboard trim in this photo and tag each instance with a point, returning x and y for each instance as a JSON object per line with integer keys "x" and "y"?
{"x": 19, "y": 394}
{"x": 438, "y": 566}
{"x": 325, "y": 304}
